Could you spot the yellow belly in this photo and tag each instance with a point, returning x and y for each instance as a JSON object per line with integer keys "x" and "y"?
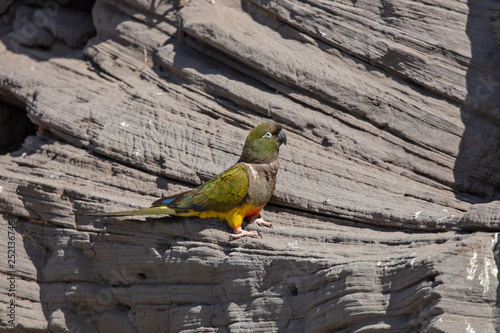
{"x": 233, "y": 217}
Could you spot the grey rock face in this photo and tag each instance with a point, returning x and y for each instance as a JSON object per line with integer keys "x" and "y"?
{"x": 385, "y": 213}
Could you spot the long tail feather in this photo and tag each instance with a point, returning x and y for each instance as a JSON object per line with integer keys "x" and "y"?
{"x": 160, "y": 210}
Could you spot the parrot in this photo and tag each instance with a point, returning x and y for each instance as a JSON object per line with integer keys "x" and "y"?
{"x": 239, "y": 193}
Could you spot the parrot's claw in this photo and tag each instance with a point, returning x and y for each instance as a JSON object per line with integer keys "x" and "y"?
{"x": 243, "y": 233}
{"x": 261, "y": 223}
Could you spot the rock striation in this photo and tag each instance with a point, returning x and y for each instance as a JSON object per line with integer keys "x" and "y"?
{"x": 386, "y": 209}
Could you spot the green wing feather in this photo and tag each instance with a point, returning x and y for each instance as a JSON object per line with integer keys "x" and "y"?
{"x": 220, "y": 194}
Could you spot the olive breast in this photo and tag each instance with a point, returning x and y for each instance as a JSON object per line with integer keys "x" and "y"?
{"x": 261, "y": 182}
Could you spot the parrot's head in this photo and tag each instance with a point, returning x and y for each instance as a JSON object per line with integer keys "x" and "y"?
{"x": 263, "y": 143}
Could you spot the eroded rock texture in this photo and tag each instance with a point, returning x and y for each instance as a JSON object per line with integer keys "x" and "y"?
{"x": 385, "y": 214}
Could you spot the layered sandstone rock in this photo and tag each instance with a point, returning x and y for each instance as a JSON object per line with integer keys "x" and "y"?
{"x": 385, "y": 213}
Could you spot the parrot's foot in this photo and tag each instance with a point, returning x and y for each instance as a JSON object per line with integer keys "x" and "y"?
{"x": 260, "y": 222}
{"x": 243, "y": 233}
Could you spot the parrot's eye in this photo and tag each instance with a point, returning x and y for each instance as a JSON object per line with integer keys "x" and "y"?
{"x": 267, "y": 135}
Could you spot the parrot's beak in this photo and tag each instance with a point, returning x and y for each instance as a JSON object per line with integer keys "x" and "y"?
{"x": 281, "y": 137}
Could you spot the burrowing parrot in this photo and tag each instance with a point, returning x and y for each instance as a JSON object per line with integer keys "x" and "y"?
{"x": 235, "y": 194}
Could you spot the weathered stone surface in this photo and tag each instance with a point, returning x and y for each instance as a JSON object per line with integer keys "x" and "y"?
{"x": 384, "y": 216}
{"x": 482, "y": 216}
{"x": 28, "y": 33}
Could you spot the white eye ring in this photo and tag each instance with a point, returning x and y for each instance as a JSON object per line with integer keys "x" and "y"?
{"x": 267, "y": 135}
